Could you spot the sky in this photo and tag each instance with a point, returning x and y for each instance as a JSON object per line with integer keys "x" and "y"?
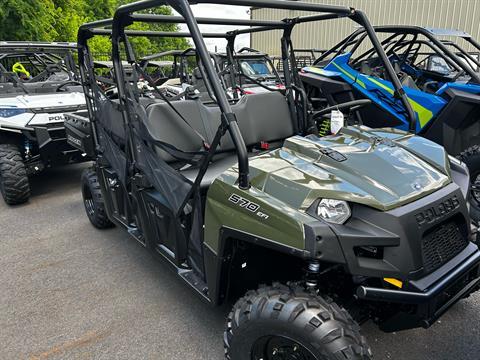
{"x": 221, "y": 11}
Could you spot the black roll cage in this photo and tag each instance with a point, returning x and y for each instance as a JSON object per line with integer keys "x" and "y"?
{"x": 438, "y": 45}
{"x": 392, "y": 45}
{"x": 178, "y": 66}
{"x": 10, "y": 48}
{"x": 50, "y": 51}
{"x": 128, "y": 14}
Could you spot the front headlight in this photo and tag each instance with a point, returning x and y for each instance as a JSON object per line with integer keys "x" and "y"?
{"x": 333, "y": 211}
{"x": 11, "y": 111}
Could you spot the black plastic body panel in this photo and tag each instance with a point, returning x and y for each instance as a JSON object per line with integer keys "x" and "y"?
{"x": 152, "y": 224}
{"x": 79, "y": 132}
{"x": 113, "y": 194}
{"x": 431, "y": 296}
{"x": 216, "y": 265}
{"x": 161, "y": 229}
{"x": 399, "y": 233}
{"x": 53, "y": 147}
{"x": 335, "y": 91}
{"x": 457, "y": 127}
{"x": 338, "y": 92}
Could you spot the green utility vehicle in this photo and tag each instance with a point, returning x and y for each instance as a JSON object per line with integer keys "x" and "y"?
{"x": 237, "y": 193}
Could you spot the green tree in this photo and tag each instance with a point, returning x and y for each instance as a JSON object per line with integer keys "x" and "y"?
{"x": 27, "y": 20}
{"x": 58, "y": 20}
{"x": 99, "y": 9}
{"x": 69, "y": 15}
{"x": 143, "y": 45}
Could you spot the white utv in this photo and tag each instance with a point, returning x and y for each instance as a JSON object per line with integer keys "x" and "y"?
{"x": 38, "y": 85}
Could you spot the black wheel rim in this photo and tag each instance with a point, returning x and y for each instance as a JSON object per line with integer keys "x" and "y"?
{"x": 276, "y": 347}
{"x": 88, "y": 201}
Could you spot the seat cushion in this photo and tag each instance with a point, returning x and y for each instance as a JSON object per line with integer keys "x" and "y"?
{"x": 214, "y": 170}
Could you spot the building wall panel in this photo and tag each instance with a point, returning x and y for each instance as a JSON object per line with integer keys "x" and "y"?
{"x": 452, "y": 14}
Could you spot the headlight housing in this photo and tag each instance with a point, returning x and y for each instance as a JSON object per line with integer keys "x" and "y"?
{"x": 456, "y": 161}
{"x": 333, "y": 211}
{"x": 11, "y": 111}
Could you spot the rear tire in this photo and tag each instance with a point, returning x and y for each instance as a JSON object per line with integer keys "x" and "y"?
{"x": 93, "y": 200}
{"x": 14, "y": 184}
{"x": 280, "y": 322}
{"x": 471, "y": 157}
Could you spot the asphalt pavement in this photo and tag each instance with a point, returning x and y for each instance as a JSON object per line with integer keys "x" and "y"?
{"x": 69, "y": 291}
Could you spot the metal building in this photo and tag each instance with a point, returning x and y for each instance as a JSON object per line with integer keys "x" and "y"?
{"x": 451, "y": 14}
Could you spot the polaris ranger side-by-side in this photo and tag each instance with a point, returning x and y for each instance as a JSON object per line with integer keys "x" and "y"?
{"x": 38, "y": 84}
{"x": 236, "y": 193}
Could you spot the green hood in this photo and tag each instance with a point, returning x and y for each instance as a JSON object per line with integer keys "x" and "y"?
{"x": 381, "y": 168}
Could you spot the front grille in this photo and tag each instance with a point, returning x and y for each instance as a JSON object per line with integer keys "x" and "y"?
{"x": 441, "y": 245}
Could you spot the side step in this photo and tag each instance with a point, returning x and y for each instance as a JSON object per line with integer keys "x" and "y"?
{"x": 187, "y": 275}
{"x": 195, "y": 282}
{"x": 136, "y": 234}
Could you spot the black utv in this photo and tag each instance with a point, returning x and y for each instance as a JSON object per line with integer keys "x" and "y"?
{"x": 236, "y": 193}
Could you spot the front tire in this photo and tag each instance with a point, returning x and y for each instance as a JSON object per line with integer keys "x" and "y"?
{"x": 93, "y": 200}
{"x": 471, "y": 157}
{"x": 14, "y": 184}
{"x": 281, "y": 322}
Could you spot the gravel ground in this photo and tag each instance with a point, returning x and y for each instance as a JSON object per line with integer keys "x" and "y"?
{"x": 69, "y": 291}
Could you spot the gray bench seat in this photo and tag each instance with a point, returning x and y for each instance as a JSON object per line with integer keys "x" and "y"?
{"x": 261, "y": 118}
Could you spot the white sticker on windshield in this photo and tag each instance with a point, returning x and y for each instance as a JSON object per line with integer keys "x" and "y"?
{"x": 337, "y": 121}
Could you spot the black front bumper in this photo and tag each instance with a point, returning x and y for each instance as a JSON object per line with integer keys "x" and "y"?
{"x": 53, "y": 147}
{"x": 430, "y": 297}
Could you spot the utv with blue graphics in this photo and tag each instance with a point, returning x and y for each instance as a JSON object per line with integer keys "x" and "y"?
{"x": 439, "y": 73}
{"x": 309, "y": 236}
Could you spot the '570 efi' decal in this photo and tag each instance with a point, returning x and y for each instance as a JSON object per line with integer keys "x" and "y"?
{"x": 247, "y": 204}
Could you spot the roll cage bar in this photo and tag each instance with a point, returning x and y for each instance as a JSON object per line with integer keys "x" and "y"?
{"x": 462, "y": 53}
{"x": 438, "y": 45}
{"x": 128, "y": 14}
{"x": 36, "y": 46}
{"x": 178, "y": 66}
{"x": 392, "y": 45}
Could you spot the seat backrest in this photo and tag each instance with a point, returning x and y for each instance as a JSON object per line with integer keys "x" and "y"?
{"x": 261, "y": 117}
{"x": 197, "y": 80}
{"x": 165, "y": 125}
{"x": 264, "y": 117}
{"x": 408, "y": 81}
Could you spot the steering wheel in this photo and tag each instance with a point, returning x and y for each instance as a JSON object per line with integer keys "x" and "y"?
{"x": 349, "y": 106}
{"x": 72, "y": 82}
{"x": 19, "y": 68}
